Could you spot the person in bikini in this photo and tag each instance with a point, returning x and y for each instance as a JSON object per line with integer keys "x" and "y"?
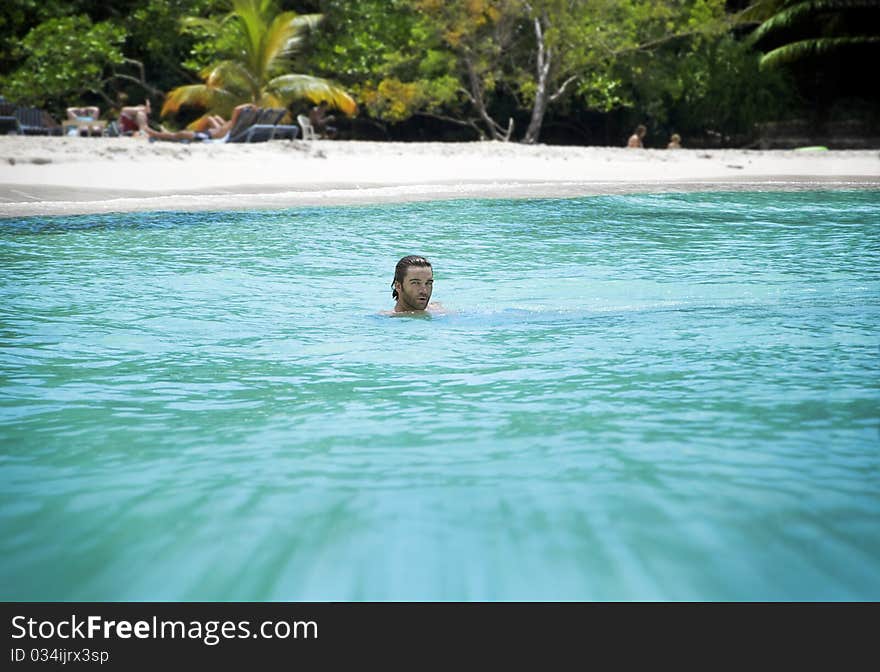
{"x": 215, "y": 128}
{"x": 84, "y": 115}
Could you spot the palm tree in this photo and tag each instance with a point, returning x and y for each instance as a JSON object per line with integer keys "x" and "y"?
{"x": 258, "y": 69}
{"x": 791, "y": 30}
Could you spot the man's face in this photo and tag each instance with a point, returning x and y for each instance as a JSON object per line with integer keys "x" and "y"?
{"x": 414, "y": 292}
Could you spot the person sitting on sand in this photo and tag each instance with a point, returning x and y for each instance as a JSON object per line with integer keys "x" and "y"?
{"x": 412, "y": 286}
{"x": 135, "y": 119}
{"x": 674, "y": 141}
{"x": 320, "y": 120}
{"x": 214, "y": 128}
{"x": 635, "y": 140}
{"x": 85, "y": 114}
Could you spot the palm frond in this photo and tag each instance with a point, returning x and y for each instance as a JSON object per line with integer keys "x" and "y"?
{"x": 251, "y": 21}
{"x": 274, "y": 45}
{"x": 814, "y": 47}
{"x": 231, "y": 75}
{"x": 197, "y": 95}
{"x": 285, "y": 36}
{"x": 264, "y": 40}
{"x": 315, "y": 89}
{"x": 763, "y": 9}
{"x": 212, "y": 99}
{"x": 270, "y": 100}
{"x": 790, "y": 16}
{"x": 306, "y": 22}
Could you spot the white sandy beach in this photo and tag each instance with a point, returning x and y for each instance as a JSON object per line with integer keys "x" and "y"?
{"x": 62, "y": 175}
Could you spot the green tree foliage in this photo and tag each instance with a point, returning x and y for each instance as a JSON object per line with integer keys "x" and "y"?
{"x": 64, "y": 58}
{"x": 384, "y": 51}
{"x": 497, "y": 67}
{"x": 17, "y": 18}
{"x": 156, "y": 43}
{"x": 716, "y": 88}
{"x": 483, "y": 62}
{"x": 257, "y": 43}
{"x": 579, "y": 45}
{"x": 151, "y": 52}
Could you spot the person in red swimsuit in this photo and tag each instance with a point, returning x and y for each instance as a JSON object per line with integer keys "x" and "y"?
{"x": 135, "y": 119}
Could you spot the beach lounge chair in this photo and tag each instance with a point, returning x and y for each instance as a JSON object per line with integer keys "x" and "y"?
{"x": 9, "y": 126}
{"x": 271, "y": 118}
{"x": 8, "y": 121}
{"x": 264, "y": 126}
{"x": 239, "y": 132}
{"x": 252, "y": 124}
{"x": 34, "y": 121}
{"x": 308, "y": 132}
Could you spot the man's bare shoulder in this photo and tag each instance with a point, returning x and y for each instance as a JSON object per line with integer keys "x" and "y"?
{"x": 432, "y": 309}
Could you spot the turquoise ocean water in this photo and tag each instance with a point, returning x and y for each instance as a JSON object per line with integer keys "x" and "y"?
{"x": 642, "y": 397}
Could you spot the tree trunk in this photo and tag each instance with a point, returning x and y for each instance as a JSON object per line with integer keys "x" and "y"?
{"x": 475, "y": 94}
{"x": 539, "y": 107}
{"x": 542, "y": 98}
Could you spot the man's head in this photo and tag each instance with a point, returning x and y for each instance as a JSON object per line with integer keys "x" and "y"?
{"x": 641, "y": 130}
{"x": 413, "y": 283}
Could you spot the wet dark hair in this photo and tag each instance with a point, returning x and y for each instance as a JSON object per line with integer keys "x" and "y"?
{"x": 402, "y": 265}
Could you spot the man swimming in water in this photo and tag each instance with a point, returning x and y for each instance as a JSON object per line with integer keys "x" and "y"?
{"x": 413, "y": 285}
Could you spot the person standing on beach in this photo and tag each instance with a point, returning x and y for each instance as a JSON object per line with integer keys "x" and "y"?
{"x": 413, "y": 285}
{"x": 635, "y": 140}
{"x": 674, "y": 141}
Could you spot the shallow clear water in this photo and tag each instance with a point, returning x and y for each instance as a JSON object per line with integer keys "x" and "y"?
{"x": 635, "y": 397}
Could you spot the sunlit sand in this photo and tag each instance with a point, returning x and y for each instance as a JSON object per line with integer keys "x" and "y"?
{"x": 52, "y": 175}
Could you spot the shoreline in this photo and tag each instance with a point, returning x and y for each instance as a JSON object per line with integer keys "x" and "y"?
{"x": 47, "y": 176}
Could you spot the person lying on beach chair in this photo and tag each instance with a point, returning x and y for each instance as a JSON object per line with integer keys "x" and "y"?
{"x": 85, "y": 114}
{"x": 135, "y": 119}
{"x": 215, "y": 128}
